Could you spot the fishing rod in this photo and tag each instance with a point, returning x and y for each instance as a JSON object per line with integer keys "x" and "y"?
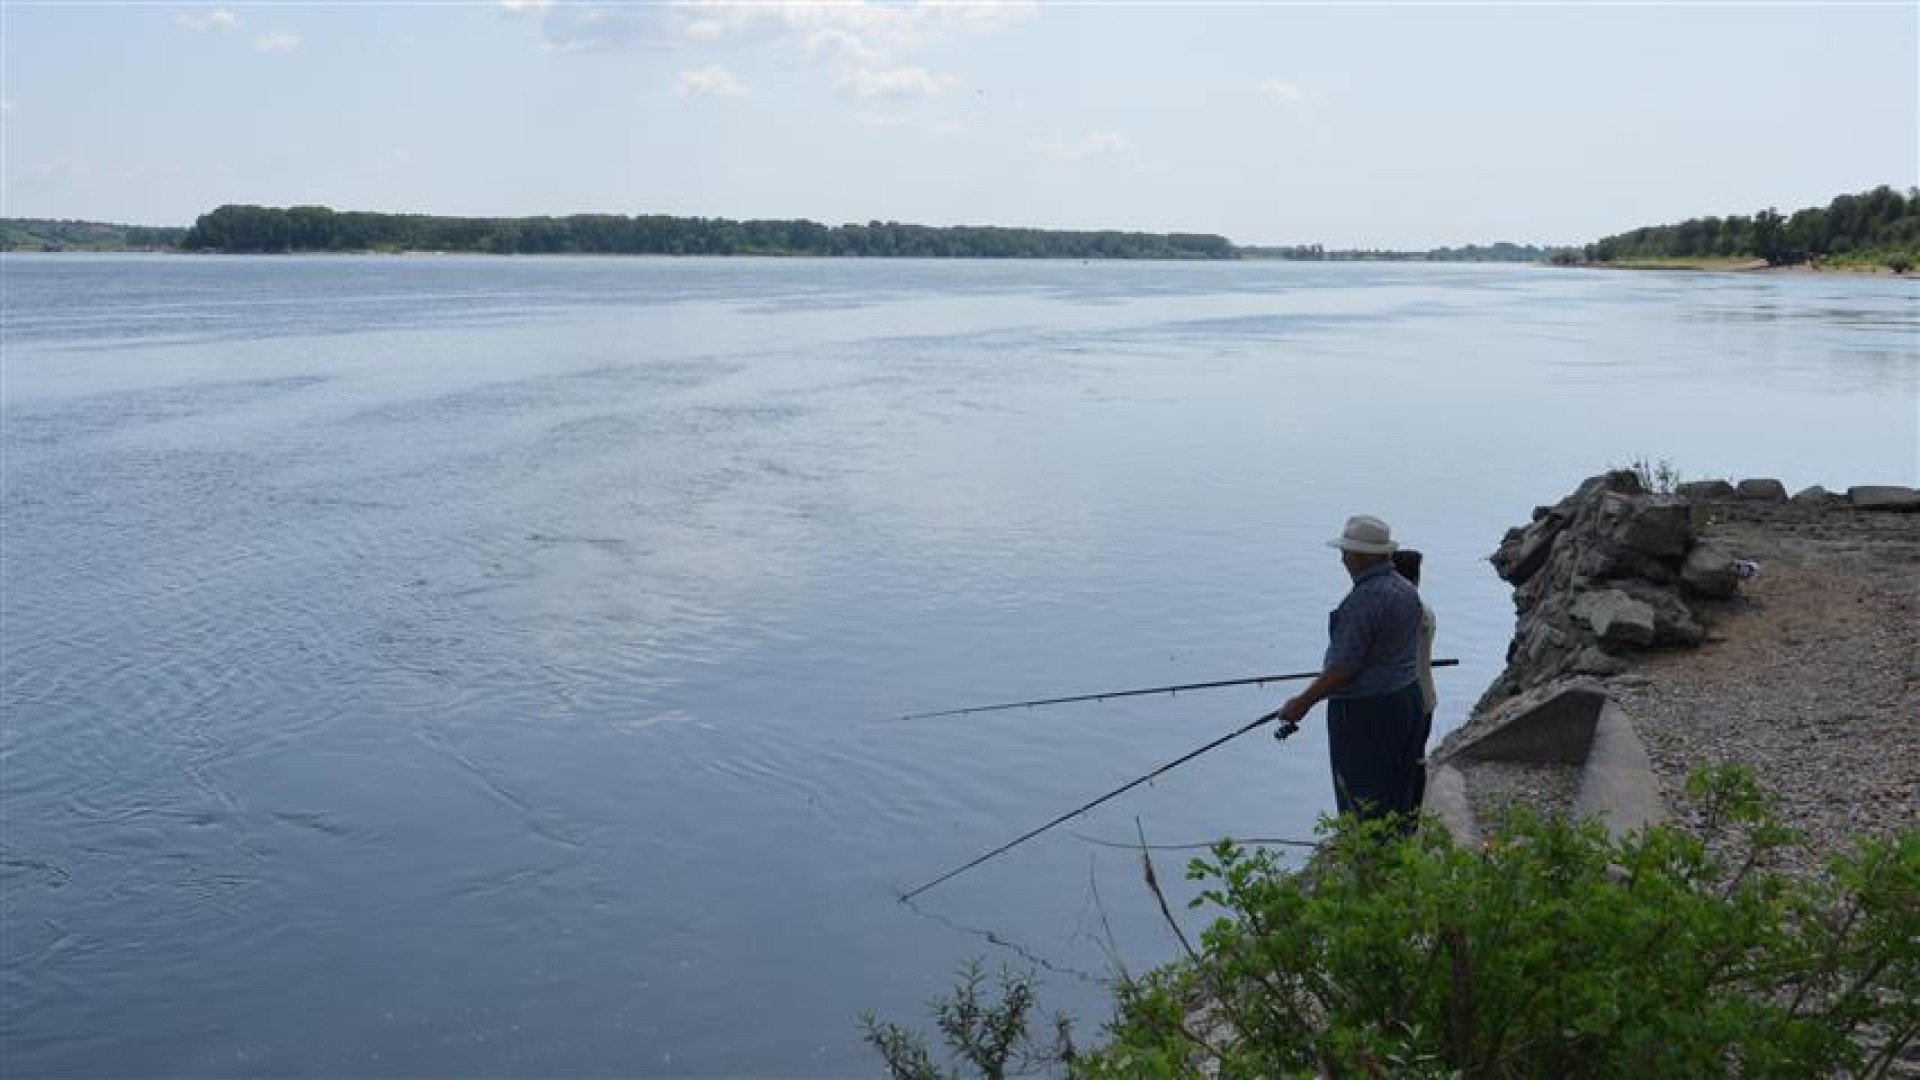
{"x": 1280, "y": 733}
{"x": 1258, "y": 680}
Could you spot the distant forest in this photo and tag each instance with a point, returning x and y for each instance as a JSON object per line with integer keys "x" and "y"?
{"x": 41, "y": 234}
{"x": 252, "y": 229}
{"x": 270, "y": 230}
{"x": 1501, "y": 252}
{"x": 1878, "y": 227}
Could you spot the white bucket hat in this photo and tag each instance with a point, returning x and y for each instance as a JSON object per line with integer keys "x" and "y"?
{"x": 1365, "y": 535}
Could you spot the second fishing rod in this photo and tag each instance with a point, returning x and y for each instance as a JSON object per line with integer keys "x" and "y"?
{"x": 1286, "y": 729}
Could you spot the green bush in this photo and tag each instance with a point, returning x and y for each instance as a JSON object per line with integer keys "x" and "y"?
{"x": 1658, "y": 477}
{"x": 991, "y": 1035}
{"x": 1554, "y": 951}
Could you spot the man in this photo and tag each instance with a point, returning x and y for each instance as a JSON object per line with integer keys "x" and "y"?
{"x": 1370, "y": 679}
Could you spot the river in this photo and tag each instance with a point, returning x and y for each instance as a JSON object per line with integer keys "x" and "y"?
{"x": 493, "y": 666}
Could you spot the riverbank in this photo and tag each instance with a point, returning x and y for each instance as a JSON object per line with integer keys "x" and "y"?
{"x": 1662, "y": 635}
{"x": 1810, "y": 676}
{"x": 1726, "y": 624}
{"x": 1762, "y": 647}
{"x": 1747, "y": 266}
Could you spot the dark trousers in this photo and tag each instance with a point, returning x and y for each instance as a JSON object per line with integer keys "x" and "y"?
{"x": 1376, "y": 743}
{"x": 1420, "y": 758}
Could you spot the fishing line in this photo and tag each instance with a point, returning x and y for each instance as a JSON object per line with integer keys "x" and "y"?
{"x": 992, "y": 937}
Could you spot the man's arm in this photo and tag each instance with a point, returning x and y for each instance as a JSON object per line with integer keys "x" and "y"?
{"x": 1321, "y": 688}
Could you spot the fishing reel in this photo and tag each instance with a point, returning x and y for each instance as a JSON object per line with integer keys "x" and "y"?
{"x": 1280, "y": 733}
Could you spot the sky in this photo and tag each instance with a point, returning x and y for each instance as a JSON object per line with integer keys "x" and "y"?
{"x": 1351, "y": 125}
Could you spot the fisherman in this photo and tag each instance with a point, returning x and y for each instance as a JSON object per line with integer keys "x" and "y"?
{"x": 1370, "y": 679}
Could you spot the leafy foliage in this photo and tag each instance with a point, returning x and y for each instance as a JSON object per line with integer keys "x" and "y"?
{"x": 41, "y": 234}
{"x": 992, "y": 1036}
{"x": 317, "y": 228}
{"x": 1659, "y": 477}
{"x": 1553, "y": 951}
{"x": 1502, "y": 252}
{"x": 1880, "y": 223}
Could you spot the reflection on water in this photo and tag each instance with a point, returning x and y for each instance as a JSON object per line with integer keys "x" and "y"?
{"x": 487, "y": 666}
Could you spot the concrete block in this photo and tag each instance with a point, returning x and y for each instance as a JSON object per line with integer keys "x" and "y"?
{"x": 1552, "y": 723}
{"x": 1446, "y": 799}
{"x": 1617, "y": 784}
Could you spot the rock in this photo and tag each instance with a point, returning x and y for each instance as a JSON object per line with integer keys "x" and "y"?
{"x": 1617, "y": 619}
{"x": 1884, "y": 497}
{"x": 1610, "y": 561}
{"x": 1673, "y": 620}
{"x": 1814, "y": 496}
{"x": 1761, "y": 491}
{"x": 1596, "y": 575}
{"x": 1657, "y": 525}
{"x": 1593, "y": 660}
{"x": 1704, "y": 490}
{"x": 1709, "y": 572}
{"x": 1522, "y": 556}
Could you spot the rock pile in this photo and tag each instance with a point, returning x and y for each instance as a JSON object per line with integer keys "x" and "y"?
{"x": 1615, "y": 583}
{"x": 1614, "y": 569}
{"x": 1609, "y": 570}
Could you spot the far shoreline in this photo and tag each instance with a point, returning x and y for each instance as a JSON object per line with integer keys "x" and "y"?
{"x": 1742, "y": 266}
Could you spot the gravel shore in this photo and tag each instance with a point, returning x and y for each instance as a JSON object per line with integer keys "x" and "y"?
{"x": 1811, "y": 676}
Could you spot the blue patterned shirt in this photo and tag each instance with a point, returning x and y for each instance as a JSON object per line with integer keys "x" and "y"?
{"x": 1375, "y": 634}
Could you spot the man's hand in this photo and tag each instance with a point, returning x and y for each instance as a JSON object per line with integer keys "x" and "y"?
{"x": 1295, "y": 710}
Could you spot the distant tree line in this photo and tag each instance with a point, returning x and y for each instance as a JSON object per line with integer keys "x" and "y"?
{"x": 43, "y": 234}
{"x": 1881, "y": 225}
{"x": 1500, "y": 252}
{"x": 316, "y": 228}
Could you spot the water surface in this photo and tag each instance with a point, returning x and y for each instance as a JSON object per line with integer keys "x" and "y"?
{"x": 490, "y": 666}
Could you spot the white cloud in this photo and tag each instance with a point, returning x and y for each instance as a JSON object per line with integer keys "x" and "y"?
{"x": 709, "y": 81}
{"x": 837, "y": 43}
{"x": 892, "y": 84}
{"x": 217, "y": 19}
{"x": 279, "y": 41}
{"x": 592, "y": 28}
{"x": 6, "y": 104}
{"x": 1091, "y": 146}
{"x": 979, "y": 16}
{"x": 868, "y": 29}
{"x": 840, "y": 34}
{"x": 1286, "y": 93}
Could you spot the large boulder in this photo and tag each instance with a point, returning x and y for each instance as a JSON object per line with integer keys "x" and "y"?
{"x": 1813, "y": 496}
{"x": 1704, "y": 490}
{"x": 1673, "y": 619}
{"x": 1884, "y": 497}
{"x": 1656, "y": 525}
{"x": 1617, "y": 620}
{"x": 1761, "y": 491}
{"x": 1709, "y": 572}
{"x": 1525, "y": 551}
